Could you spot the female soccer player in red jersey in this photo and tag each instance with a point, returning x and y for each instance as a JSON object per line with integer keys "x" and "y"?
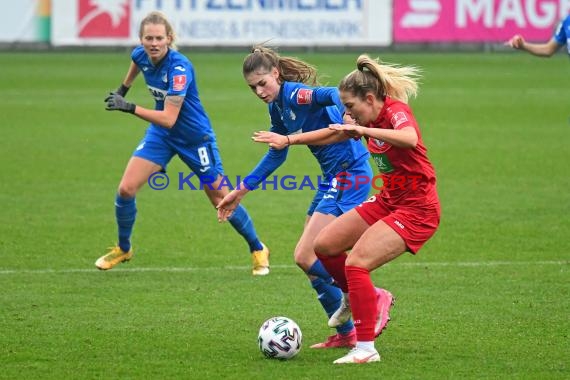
{"x": 402, "y": 216}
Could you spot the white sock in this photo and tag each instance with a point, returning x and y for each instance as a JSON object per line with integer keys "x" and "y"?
{"x": 366, "y": 346}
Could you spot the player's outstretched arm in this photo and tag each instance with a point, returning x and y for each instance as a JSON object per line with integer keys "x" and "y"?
{"x": 546, "y": 49}
{"x": 322, "y": 136}
{"x": 406, "y": 137}
{"x": 274, "y": 140}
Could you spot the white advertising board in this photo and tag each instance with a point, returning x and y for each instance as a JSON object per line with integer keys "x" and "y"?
{"x": 227, "y": 22}
{"x": 19, "y": 22}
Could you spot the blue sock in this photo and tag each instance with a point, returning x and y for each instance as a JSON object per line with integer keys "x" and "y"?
{"x": 243, "y": 224}
{"x": 329, "y": 295}
{"x": 318, "y": 270}
{"x": 125, "y": 213}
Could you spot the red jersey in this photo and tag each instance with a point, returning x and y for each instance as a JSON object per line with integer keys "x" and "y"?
{"x": 408, "y": 175}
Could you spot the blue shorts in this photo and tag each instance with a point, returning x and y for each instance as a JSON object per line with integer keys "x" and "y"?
{"x": 344, "y": 192}
{"x": 203, "y": 159}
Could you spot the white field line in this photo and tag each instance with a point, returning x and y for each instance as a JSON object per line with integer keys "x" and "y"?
{"x": 245, "y": 268}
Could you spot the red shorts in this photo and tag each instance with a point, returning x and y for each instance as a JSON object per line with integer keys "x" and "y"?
{"x": 414, "y": 224}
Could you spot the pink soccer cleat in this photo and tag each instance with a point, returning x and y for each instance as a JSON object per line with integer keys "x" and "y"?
{"x": 338, "y": 340}
{"x": 384, "y": 301}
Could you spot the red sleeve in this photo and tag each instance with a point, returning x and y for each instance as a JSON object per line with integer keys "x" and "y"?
{"x": 400, "y": 116}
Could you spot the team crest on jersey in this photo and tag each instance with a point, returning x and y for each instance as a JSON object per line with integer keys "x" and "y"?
{"x": 398, "y": 118}
{"x": 304, "y": 96}
{"x": 179, "y": 82}
{"x": 380, "y": 146}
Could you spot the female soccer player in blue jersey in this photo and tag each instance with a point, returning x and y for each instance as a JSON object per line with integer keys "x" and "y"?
{"x": 560, "y": 38}
{"x": 286, "y": 84}
{"x": 402, "y": 216}
{"x": 178, "y": 125}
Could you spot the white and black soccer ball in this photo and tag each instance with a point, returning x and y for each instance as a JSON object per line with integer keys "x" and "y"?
{"x": 280, "y": 338}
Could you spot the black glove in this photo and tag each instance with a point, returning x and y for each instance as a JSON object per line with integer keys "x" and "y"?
{"x": 116, "y": 102}
{"x": 122, "y": 90}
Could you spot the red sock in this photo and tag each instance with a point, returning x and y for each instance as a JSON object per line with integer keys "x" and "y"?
{"x": 362, "y": 302}
{"x": 335, "y": 266}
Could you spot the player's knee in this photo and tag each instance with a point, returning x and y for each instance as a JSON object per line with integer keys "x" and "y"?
{"x": 302, "y": 259}
{"x": 353, "y": 260}
{"x": 360, "y": 260}
{"x": 126, "y": 190}
{"x": 323, "y": 246}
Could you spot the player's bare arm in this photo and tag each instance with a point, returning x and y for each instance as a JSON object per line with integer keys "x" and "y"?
{"x": 165, "y": 118}
{"x": 546, "y": 49}
{"x": 406, "y": 137}
{"x": 274, "y": 140}
{"x": 319, "y": 137}
{"x": 131, "y": 75}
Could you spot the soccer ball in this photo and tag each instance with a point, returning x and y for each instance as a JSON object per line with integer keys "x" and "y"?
{"x": 280, "y": 338}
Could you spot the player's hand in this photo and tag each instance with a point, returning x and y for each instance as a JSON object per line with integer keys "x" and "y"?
{"x": 351, "y": 130}
{"x": 116, "y": 102}
{"x": 274, "y": 140}
{"x": 347, "y": 119}
{"x": 516, "y": 42}
{"x": 227, "y": 205}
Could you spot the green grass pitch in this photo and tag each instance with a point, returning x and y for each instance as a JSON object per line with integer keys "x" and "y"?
{"x": 487, "y": 297}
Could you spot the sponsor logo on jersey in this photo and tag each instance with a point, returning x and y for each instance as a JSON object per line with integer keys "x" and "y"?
{"x": 181, "y": 68}
{"x": 157, "y": 93}
{"x": 383, "y": 163}
{"x": 398, "y": 118}
{"x": 304, "y": 96}
{"x": 179, "y": 82}
{"x": 103, "y": 18}
{"x": 399, "y": 224}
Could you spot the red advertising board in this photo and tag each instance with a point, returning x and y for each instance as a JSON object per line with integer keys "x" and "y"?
{"x": 103, "y": 19}
{"x": 476, "y": 20}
